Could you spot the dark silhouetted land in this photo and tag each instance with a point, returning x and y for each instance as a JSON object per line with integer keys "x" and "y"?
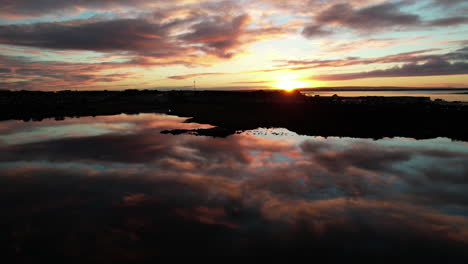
{"x": 230, "y": 112}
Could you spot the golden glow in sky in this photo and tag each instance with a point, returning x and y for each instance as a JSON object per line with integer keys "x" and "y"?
{"x": 234, "y": 45}
{"x": 290, "y": 82}
{"x": 290, "y": 85}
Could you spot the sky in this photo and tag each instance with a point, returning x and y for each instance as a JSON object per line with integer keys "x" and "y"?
{"x": 245, "y": 44}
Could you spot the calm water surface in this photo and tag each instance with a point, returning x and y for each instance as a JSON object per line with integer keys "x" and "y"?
{"x": 449, "y": 96}
{"x": 113, "y": 188}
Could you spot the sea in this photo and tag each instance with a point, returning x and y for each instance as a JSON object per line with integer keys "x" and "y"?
{"x": 449, "y": 96}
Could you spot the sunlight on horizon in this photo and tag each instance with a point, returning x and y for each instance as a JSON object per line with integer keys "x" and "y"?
{"x": 290, "y": 82}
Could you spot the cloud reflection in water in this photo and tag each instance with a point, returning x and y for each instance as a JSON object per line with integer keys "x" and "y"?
{"x": 120, "y": 190}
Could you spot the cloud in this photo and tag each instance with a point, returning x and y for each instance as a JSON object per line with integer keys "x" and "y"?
{"x": 222, "y": 37}
{"x": 369, "y": 18}
{"x": 431, "y": 68}
{"x": 218, "y": 35}
{"x": 145, "y": 41}
{"x": 311, "y": 31}
{"x": 251, "y": 82}
{"x": 416, "y": 63}
{"x": 372, "y": 19}
{"x": 337, "y": 46}
{"x": 114, "y": 35}
{"x": 448, "y": 3}
{"x": 194, "y": 75}
{"x": 22, "y": 73}
{"x": 149, "y": 34}
{"x": 206, "y": 215}
{"x": 15, "y": 9}
{"x": 375, "y": 16}
{"x": 414, "y": 56}
{"x": 418, "y": 58}
{"x": 450, "y": 21}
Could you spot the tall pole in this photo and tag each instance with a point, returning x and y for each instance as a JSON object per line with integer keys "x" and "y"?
{"x": 194, "y": 85}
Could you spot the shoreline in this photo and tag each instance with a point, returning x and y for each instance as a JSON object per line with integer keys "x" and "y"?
{"x": 368, "y": 117}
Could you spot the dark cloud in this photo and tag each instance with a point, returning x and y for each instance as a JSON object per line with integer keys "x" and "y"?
{"x": 218, "y": 35}
{"x": 460, "y": 54}
{"x": 367, "y": 18}
{"x": 312, "y": 30}
{"x": 370, "y": 18}
{"x": 374, "y": 18}
{"x": 29, "y": 8}
{"x": 115, "y": 35}
{"x": 17, "y": 9}
{"x": 448, "y": 3}
{"x": 446, "y": 22}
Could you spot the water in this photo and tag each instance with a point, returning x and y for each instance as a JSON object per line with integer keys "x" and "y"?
{"x": 114, "y": 188}
{"x": 449, "y": 96}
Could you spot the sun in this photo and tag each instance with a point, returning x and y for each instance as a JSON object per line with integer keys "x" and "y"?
{"x": 290, "y": 85}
